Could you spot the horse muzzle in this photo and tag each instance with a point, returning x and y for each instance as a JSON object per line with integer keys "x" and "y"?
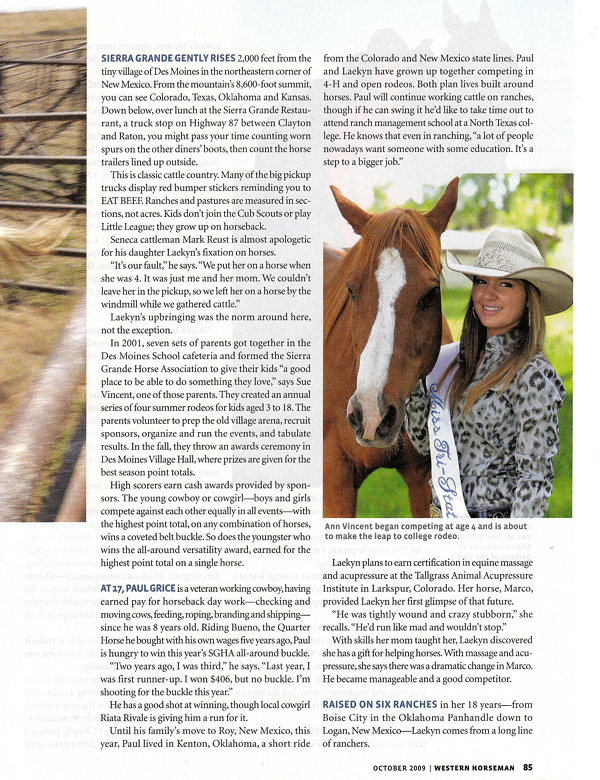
{"x": 375, "y": 427}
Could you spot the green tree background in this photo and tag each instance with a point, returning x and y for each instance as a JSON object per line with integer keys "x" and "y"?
{"x": 523, "y": 201}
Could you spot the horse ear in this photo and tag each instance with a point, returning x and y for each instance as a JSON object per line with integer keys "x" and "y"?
{"x": 352, "y": 213}
{"x": 440, "y": 214}
{"x": 452, "y": 22}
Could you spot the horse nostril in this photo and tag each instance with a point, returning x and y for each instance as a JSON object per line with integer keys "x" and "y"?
{"x": 386, "y": 426}
{"x": 354, "y": 415}
{"x": 355, "y": 420}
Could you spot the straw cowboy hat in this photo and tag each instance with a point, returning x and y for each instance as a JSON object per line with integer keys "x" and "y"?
{"x": 511, "y": 254}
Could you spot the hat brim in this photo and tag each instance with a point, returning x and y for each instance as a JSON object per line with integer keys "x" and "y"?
{"x": 555, "y": 286}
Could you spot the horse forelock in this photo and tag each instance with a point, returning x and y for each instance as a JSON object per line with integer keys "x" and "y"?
{"x": 400, "y": 227}
{"x": 394, "y": 228}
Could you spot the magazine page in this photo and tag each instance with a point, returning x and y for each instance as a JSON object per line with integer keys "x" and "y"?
{"x": 291, "y": 541}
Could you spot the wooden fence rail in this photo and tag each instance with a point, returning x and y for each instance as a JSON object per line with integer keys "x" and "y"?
{"x": 25, "y": 444}
{"x": 38, "y": 137}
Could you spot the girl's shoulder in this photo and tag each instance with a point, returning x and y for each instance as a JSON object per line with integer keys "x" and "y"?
{"x": 539, "y": 379}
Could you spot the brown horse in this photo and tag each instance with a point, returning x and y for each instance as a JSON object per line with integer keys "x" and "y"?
{"x": 383, "y": 327}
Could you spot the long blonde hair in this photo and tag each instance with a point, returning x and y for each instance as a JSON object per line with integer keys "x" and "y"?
{"x": 19, "y": 244}
{"x": 531, "y": 331}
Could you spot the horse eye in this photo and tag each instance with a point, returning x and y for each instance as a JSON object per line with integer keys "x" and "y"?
{"x": 351, "y": 293}
{"x": 429, "y": 298}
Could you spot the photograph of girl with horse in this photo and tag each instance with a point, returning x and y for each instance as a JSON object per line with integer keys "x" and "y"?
{"x": 504, "y": 395}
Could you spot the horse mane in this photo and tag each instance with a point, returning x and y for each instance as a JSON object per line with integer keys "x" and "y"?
{"x": 392, "y": 228}
{"x": 19, "y": 244}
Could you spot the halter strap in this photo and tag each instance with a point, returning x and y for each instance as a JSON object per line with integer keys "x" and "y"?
{"x": 445, "y": 472}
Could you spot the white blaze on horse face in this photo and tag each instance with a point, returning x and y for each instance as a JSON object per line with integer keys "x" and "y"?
{"x": 375, "y": 359}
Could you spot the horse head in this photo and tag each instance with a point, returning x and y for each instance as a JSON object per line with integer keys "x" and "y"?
{"x": 393, "y": 281}
{"x": 481, "y": 34}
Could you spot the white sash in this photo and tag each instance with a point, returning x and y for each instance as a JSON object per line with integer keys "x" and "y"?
{"x": 444, "y": 459}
